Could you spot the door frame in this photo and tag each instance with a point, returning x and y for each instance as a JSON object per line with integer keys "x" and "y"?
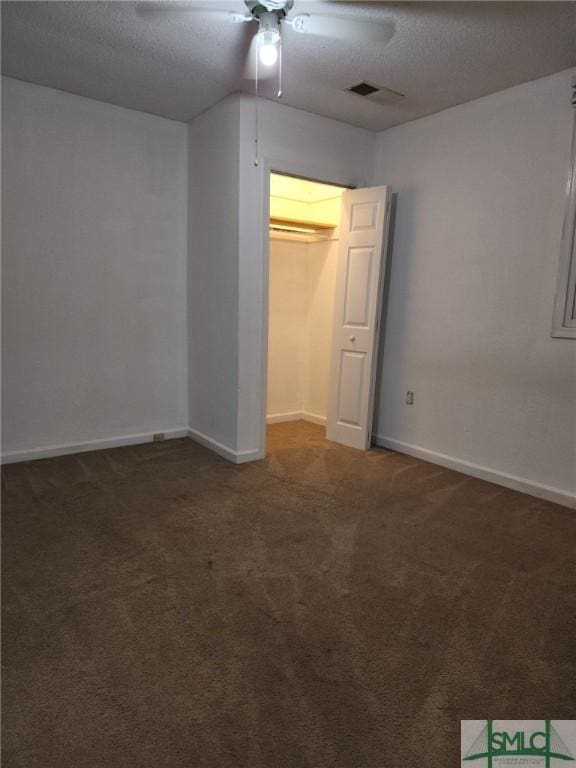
{"x": 267, "y": 166}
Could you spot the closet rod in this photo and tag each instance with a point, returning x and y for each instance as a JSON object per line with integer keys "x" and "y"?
{"x": 289, "y": 230}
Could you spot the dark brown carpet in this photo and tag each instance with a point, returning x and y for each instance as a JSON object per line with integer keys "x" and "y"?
{"x": 322, "y": 609}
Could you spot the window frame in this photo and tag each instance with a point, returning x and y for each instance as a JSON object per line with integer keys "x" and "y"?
{"x": 564, "y": 317}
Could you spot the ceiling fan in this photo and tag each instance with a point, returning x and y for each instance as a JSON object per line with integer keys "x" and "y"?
{"x": 264, "y": 59}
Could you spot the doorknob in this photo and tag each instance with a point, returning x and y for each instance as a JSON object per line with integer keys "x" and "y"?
{"x": 352, "y": 338}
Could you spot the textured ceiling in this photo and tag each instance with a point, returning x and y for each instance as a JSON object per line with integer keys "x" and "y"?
{"x": 177, "y": 64}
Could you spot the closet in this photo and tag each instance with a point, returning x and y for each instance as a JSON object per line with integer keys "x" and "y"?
{"x": 303, "y": 256}
{"x": 327, "y": 261}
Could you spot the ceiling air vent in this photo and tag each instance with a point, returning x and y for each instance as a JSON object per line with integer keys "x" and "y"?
{"x": 376, "y": 93}
{"x": 363, "y": 89}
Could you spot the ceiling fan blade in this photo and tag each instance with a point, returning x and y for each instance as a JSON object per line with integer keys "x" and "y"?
{"x": 343, "y": 28}
{"x": 159, "y": 9}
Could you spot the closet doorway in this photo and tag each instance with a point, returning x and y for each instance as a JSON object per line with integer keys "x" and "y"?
{"x": 327, "y": 247}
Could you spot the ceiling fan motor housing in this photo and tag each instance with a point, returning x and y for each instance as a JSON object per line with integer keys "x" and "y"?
{"x": 259, "y": 8}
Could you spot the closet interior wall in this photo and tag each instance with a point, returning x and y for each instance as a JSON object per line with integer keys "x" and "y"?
{"x": 301, "y": 305}
{"x": 302, "y": 283}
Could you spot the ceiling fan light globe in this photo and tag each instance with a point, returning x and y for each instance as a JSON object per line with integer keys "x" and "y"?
{"x": 268, "y": 54}
{"x": 268, "y": 47}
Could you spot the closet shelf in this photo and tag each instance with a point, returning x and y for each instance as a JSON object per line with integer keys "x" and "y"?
{"x": 300, "y": 227}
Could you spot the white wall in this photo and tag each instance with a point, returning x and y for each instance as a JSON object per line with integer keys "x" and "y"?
{"x": 302, "y": 284}
{"x": 322, "y": 264}
{"x": 287, "y": 327}
{"x": 94, "y": 268}
{"x": 213, "y": 148}
{"x": 94, "y": 273}
{"x": 296, "y": 142}
{"x": 227, "y": 278}
{"x": 480, "y": 201}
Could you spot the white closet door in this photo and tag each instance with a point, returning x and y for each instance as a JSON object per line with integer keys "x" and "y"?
{"x": 361, "y": 267}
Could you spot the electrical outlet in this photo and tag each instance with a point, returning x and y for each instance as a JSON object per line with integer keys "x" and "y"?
{"x": 158, "y": 437}
{"x": 409, "y": 397}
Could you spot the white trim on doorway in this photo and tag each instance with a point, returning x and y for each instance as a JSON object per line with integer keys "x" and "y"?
{"x": 324, "y": 175}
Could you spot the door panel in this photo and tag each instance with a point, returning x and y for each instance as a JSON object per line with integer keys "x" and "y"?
{"x": 361, "y": 267}
{"x": 363, "y": 216}
{"x": 350, "y": 394}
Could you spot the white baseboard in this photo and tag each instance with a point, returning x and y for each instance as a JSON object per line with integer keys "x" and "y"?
{"x": 242, "y": 457}
{"x": 314, "y": 418}
{"x": 236, "y": 457}
{"x": 278, "y": 418}
{"x": 49, "y": 451}
{"x": 522, "y": 484}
